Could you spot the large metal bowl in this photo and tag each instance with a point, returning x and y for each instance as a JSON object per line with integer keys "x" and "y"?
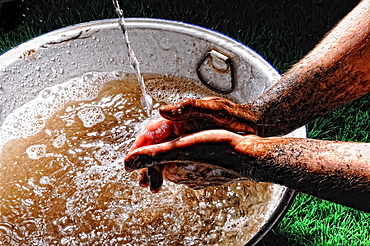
{"x": 164, "y": 47}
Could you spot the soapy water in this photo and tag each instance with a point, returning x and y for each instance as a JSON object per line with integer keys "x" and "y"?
{"x": 62, "y": 180}
{"x": 146, "y": 99}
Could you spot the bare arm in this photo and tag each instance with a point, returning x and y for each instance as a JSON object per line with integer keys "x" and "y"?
{"x": 334, "y": 73}
{"x": 332, "y": 170}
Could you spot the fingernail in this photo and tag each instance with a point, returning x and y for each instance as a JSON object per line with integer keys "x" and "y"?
{"x": 129, "y": 170}
{"x": 155, "y": 190}
{"x": 143, "y": 184}
{"x": 137, "y": 162}
{"x": 155, "y": 178}
{"x": 143, "y": 179}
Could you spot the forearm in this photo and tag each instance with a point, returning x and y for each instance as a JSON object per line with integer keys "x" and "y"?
{"x": 335, "y": 171}
{"x": 336, "y": 72}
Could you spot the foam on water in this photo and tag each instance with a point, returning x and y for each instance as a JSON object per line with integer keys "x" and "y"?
{"x": 49, "y": 101}
{"x": 91, "y": 116}
{"x": 36, "y": 151}
{"x": 62, "y": 180}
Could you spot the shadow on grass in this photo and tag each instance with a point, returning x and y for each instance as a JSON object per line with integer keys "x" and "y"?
{"x": 274, "y": 238}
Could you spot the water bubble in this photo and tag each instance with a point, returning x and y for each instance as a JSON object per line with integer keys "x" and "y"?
{"x": 46, "y": 93}
{"x": 36, "y": 151}
{"x": 88, "y": 76}
{"x": 106, "y": 155}
{"x": 45, "y": 180}
{"x": 166, "y": 43}
{"x": 119, "y": 73}
{"x": 27, "y": 202}
{"x": 91, "y": 116}
{"x": 59, "y": 141}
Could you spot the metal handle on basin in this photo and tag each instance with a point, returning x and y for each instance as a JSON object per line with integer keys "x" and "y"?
{"x": 225, "y": 66}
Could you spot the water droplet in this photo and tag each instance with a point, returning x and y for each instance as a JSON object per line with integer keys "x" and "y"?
{"x": 46, "y": 93}
{"x": 59, "y": 141}
{"x": 165, "y": 43}
{"x": 88, "y": 77}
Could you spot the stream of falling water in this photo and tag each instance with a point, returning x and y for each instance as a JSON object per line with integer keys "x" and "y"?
{"x": 146, "y": 99}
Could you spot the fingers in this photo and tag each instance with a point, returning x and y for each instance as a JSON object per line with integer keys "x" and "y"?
{"x": 151, "y": 177}
{"x": 192, "y": 115}
{"x": 161, "y": 130}
{"x": 188, "y": 108}
{"x": 211, "y": 112}
{"x": 149, "y": 156}
{"x": 217, "y": 148}
{"x": 142, "y": 177}
{"x": 156, "y": 131}
{"x": 155, "y": 178}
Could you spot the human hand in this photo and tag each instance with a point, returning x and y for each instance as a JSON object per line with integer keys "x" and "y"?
{"x": 199, "y": 160}
{"x": 193, "y": 115}
{"x": 189, "y": 116}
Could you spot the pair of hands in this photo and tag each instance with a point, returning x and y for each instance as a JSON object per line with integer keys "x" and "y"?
{"x": 197, "y": 142}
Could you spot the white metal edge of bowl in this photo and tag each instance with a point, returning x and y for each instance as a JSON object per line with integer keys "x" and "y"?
{"x": 71, "y": 31}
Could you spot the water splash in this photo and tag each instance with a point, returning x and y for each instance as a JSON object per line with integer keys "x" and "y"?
{"x": 146, "y": 99}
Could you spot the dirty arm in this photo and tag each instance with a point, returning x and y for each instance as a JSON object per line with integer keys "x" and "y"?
{"x": 332, "y": 170}
{"x": 334, "y": 73}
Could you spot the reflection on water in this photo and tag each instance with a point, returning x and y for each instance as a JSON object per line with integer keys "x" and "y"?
{"x": 65, "y": 184}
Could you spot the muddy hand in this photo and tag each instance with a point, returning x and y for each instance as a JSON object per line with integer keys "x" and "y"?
{"x": 331, "y": 170}
{"x": 193, "y": 115}
{"x": 198, "y": 160}
{"x": 210, "y": 113}
{"x": 189, "y": 116}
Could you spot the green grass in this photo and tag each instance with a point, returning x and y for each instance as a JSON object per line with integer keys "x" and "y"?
{"x": 311, "y": 221}
{"x": 348, "y": 123}
{"x": 282, "y": 31}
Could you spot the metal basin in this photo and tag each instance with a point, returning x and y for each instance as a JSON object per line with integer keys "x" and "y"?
{"x": 222, "y": 64}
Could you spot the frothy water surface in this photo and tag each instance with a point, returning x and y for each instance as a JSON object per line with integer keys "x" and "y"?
{"x": 62, "y": 180}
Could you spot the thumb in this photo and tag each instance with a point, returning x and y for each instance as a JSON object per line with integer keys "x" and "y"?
{"x": 210, "y": 113}
{"x": 210, "y": 147}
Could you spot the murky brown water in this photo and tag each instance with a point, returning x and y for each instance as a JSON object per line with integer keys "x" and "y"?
{"x": 62, "y": 180}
